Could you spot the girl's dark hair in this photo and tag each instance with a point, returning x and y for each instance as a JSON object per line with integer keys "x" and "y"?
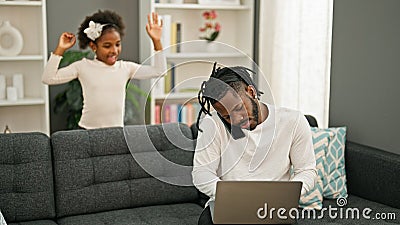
{"x": 220, "y": 81}
{"x": 111, "y": 19}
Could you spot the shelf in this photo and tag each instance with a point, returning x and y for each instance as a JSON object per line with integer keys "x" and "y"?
{"x": 195, "y": 58}
{"x": 22, "y": 58}
{"x": 30, "y": 113}
{"x": 203, "y": 55}
{"x": 197, "y": 6}
{"x": 21, "y": 3}
{"x": 173, "y": 96}
{"x": 22, "y": 102}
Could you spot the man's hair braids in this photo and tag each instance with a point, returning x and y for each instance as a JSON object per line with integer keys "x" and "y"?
{"x": 220, "y": 81}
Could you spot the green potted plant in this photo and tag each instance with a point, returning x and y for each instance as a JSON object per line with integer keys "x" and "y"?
{"x": 71, "y": 99}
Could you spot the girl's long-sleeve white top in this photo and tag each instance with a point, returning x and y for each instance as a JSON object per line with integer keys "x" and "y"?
{"x": 103, "y": 86}
{"x": 268, "y": 152}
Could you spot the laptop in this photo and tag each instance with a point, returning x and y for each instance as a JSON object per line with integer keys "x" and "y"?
{"x": 256, "y": 202}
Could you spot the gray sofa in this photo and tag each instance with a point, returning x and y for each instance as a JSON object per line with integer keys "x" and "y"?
{"x": 90, "y": 177}
{"x": 373, "y": 181}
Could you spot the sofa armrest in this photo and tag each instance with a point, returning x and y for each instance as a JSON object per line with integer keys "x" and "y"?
{"x": 203, "y": 198}
{"x": 373, "y": 174}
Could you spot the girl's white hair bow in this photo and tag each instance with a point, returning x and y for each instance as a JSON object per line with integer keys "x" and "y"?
{"x": 94, "y": 30}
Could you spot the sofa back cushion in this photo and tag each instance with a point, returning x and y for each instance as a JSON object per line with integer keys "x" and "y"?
{"x": 373, "y": 174}
{"x": 95, "y": 170}
{"x": 26, "y": 177}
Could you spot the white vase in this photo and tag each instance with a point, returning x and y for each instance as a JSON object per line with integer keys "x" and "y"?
{"x": 212, "y": 47}
{"x": 18, "y": 82}
{"x": 12, "y": 94}
{"x": 2, "y": 87}
{"x": 176, "y": 1}
{"x": 11, "y": 41}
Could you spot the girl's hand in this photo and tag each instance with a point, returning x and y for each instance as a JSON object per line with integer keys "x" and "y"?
{"x": 66, "y": 41}
{"x": 154, "y": 30}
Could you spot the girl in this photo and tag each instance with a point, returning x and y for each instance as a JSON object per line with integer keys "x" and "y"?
{"x": 103, "y": 79}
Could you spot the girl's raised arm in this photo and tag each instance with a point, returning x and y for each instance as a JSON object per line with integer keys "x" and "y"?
{"x": 154, "y": 30}
{"x": 66, "y": 41}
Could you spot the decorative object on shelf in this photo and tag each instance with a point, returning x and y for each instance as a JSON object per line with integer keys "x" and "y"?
{"x": 211, "y": 28}
{"x": 7, "y": 130}
{"x": 11, "y": 41}
{"x": 176, "y": 1}
{"x": 12, "y": 94}
{"x": 2, "y": 87}
{"x": 18, "y": 82}
{"x": 212, "y": 47}
{"x": 219, "y": 2}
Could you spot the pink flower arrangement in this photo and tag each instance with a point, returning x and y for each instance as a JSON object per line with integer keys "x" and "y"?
{"x": 211, "y": 28}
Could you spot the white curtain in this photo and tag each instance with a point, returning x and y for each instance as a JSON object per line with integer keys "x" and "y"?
{"x": 295, "y": 54}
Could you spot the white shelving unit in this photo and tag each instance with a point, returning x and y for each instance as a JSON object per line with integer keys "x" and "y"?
{"x": 194, "y": 63}
{"x": 29, "y": 114}
{"x": 22, "y": 58}
{"x": 202, "y": 55}
{"x": 160, "y": 6}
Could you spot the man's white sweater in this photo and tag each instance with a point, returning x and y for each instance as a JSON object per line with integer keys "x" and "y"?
{"x": 268, "y": 152}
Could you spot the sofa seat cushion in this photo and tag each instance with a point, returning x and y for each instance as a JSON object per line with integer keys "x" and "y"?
{"x": 354, "y": 202}
{"x": 36, "y": 222}
{"x": 176, "y": 214}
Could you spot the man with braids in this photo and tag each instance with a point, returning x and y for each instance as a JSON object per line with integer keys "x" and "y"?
{"x": 246, "y": 139}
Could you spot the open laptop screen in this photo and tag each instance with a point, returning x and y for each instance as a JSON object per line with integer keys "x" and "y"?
{"x": 256, "y": 202}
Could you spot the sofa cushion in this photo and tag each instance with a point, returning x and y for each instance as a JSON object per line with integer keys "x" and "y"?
{"x": 176, "y": 214}
{"x": 95, "y": 171}
{"x": 373, "y": 174}
{"x": 335, "y": 173}
{"x": 160, "y": 144}
{"x": 26, "y": 177}
{"x": 313, "y": 198}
